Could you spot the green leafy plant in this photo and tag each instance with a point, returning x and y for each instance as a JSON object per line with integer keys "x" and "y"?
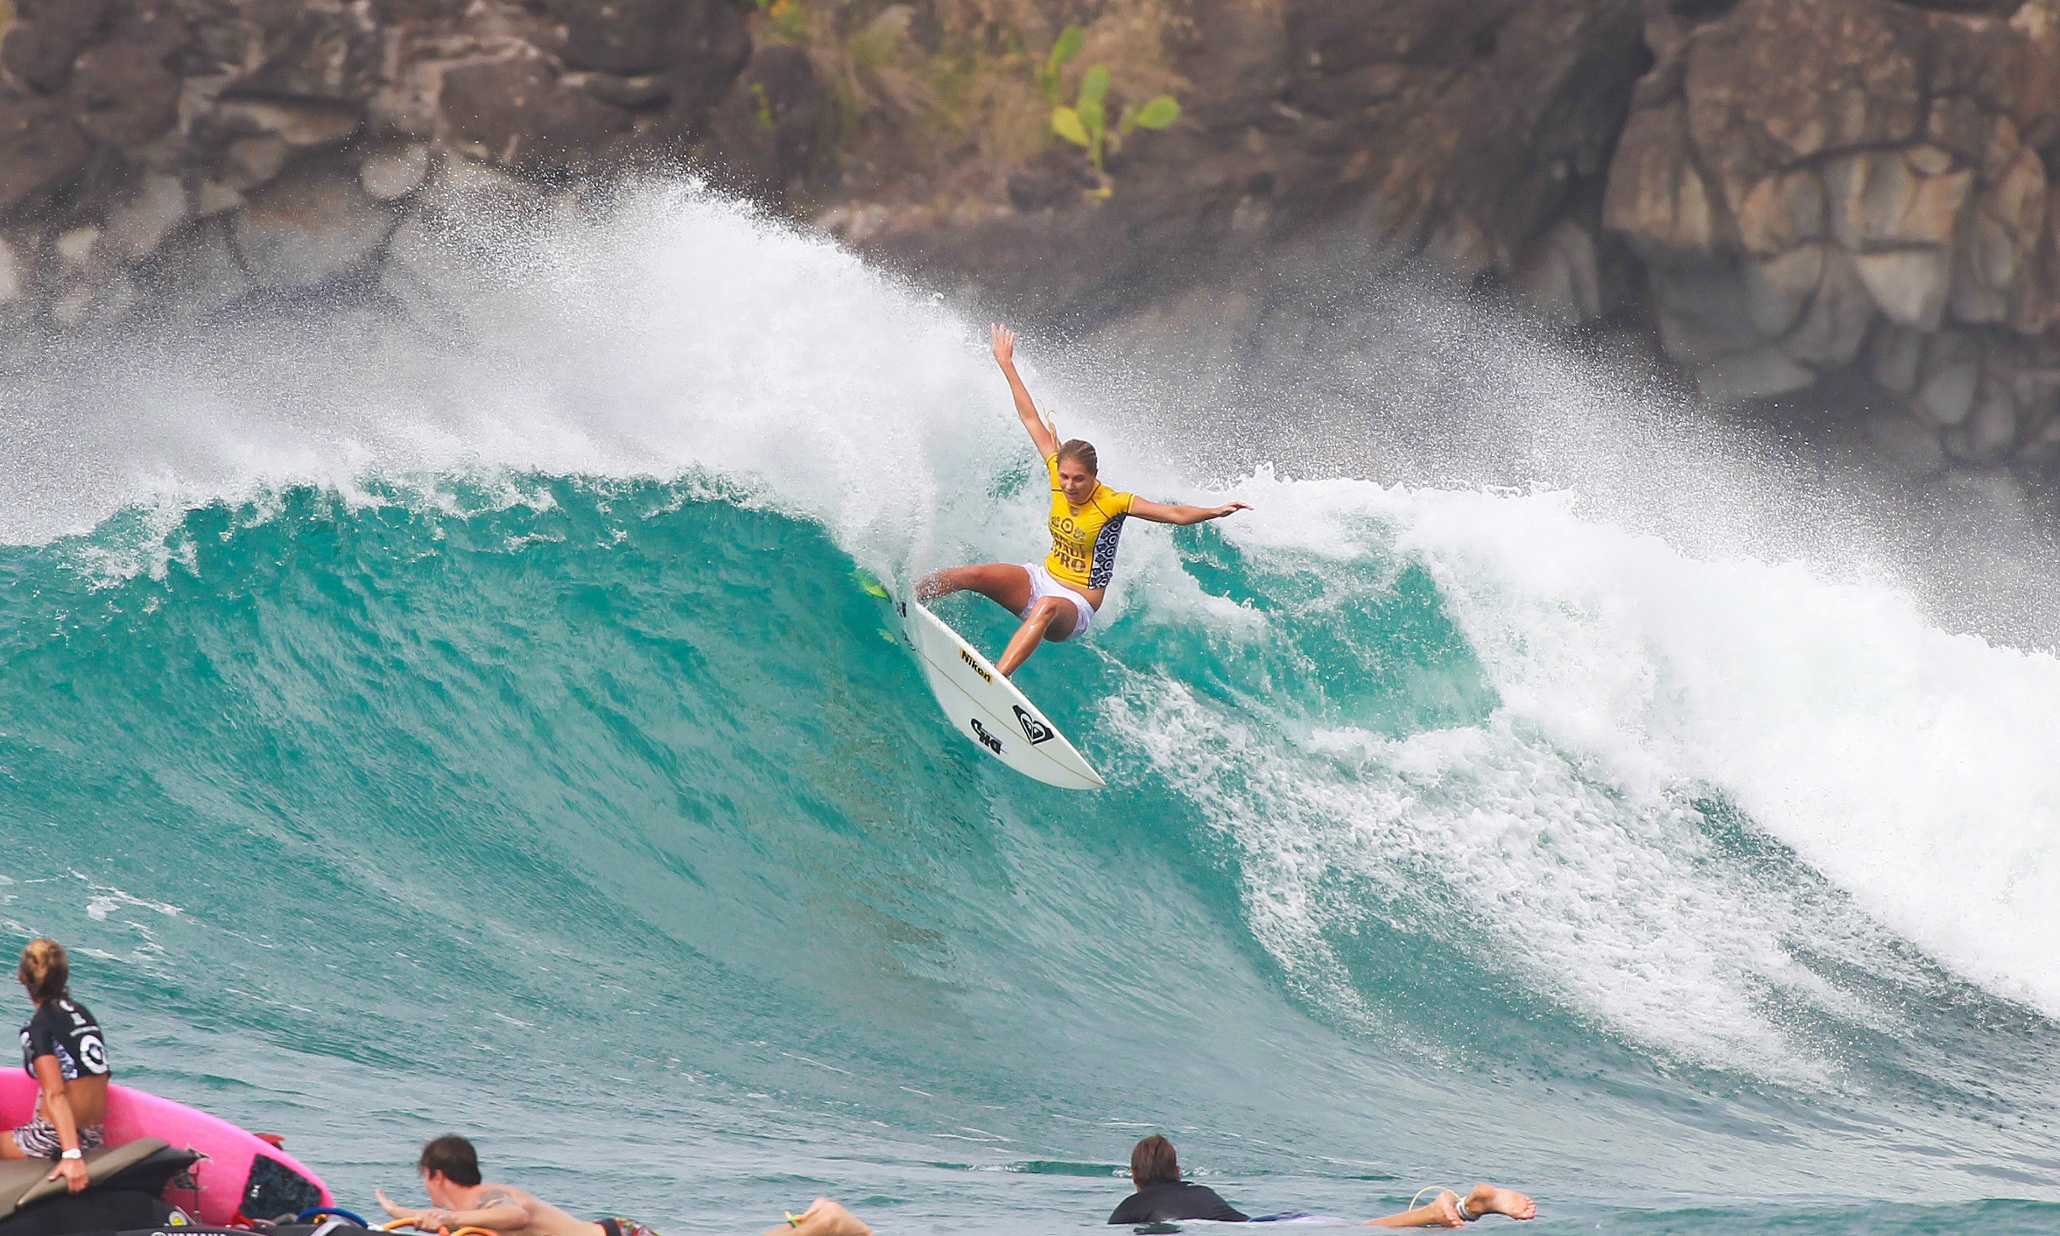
{"x": 1086, "y": 123}
{"x": 1159, "y": 112}
{"x": 1065, "y": 49}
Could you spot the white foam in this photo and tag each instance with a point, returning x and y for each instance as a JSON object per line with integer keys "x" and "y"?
{"x": 678, "y": 334}
{"x": 1559, "y": 838}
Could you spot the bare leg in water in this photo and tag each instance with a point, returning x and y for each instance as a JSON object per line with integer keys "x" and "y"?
{"x": 1443, "y": 1210}
{"x": 1008, "y": 586}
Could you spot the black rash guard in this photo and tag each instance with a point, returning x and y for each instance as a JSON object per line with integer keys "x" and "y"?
{"x": 65, "y": 1029}
{"x": 1174, "y": 1199}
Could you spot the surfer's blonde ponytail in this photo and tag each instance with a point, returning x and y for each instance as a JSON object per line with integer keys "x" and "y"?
{"x": 45, "y": 970}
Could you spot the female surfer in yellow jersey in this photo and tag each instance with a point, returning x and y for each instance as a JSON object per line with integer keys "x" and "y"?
{"x": 1057, "y": 598}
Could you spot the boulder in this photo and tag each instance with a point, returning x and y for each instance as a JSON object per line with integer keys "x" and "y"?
{"x": 1776, "y": 82}
{"x": 1996, "y": 277}
{"x": 1776, "y": 289}
{"x": 765, "y": 134}
{"x": 40, "y": 150}
{"x": 122, "y": 94}
{"x": 1878, "y": 198}
{"x": 1952, "y": 374}
{"x": 1910, "y": 285}
{"x": 1908, "y": 442}
{"x": 1562, "y": 278}
{"x": 1992, "y": 426}
{"x": 296, "y": 123}
{"x": 1839, "y": 313}
{"x": 137, "y": 226}
{"x": 40, "y": 47}
{"x": 617, "y": 36}
{"x": 1656, "y": 198}
{"x": 522, "y": 114}
{"x": 1334, "y": 37}
{"x": 1757, "y": 373}
{"x": 1703, "y": 313}
{"x": 704, "y": 54}
{"x": 1956, "y": 124}
{"x": 305, "y": 50}
{"x": 1558, "y": 76}
{"x": 1782, "y": 211}
{"x": 307, "y": 228}
{"x": 394, "y": 171}
{"x": 248, "y": 163}
{"x": 76, "y": 248}
{"x": 200, "y": 272}
{"x": 1894, "y": 355}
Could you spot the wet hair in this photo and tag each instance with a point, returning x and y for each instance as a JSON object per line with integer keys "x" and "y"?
{"x": 453, "y": 1156}
{"x": 1152, "y": 1160}
{"x": 45, "y": 970}
{"x": 1083, "y": 453}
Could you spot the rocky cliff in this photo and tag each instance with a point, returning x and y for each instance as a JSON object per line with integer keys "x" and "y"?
{"x": 1840, "y": 203}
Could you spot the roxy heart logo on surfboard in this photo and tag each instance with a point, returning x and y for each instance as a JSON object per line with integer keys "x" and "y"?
{"x": 1033, "y": 729}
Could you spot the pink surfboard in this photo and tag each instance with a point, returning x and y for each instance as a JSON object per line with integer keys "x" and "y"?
{"x": 229, "y": 1151}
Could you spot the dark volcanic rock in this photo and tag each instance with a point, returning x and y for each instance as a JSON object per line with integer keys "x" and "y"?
{"x": 40, "y": 151}
{"x": 765, "y": 134}
{"x": 618, "y": 36}
{"x": 123, "y": 95}
{"x": 1791, "y": 198}
{"x": 40, "y": 48}
{"x": 523, "y": 114}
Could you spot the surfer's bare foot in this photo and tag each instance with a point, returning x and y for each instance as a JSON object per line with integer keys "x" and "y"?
{"x": 1486, "y": 1199}
{"x": 1440, "y": 1211}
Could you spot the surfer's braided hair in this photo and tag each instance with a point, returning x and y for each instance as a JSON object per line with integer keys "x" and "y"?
{"x": 1082, "y": 452}
{"x": 45, "y": 970}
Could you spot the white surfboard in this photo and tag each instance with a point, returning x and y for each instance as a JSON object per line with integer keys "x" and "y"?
{"x": 988, "y": 709}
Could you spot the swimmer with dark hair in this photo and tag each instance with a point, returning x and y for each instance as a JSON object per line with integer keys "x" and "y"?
{"x": 1162, "y": 1196}
{"x": 460, "y": 1198}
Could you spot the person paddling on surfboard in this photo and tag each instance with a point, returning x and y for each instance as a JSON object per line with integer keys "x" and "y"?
{"x": 1057, "y": 598}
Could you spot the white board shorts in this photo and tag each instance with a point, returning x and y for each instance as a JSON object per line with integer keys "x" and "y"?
{"x": 1042, "y": 585}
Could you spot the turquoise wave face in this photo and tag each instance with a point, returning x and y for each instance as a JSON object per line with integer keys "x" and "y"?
{"x": 608, "y": 822}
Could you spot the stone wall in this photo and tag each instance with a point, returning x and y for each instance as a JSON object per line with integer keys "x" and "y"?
{"x": 176, "y": 155}
{"x": 1855, "y": 185}
{"x": 1836, "y": 203}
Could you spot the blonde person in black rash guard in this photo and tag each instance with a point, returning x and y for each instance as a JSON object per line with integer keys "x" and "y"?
{"x": 1163, "y": 1196}
{"x": 61, "y": 1047}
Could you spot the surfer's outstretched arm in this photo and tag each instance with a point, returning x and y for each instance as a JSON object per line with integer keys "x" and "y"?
{"x": 1166, "y": 513}
{"x": 824, "y": 1218}
{"x": 1005, "y": 356}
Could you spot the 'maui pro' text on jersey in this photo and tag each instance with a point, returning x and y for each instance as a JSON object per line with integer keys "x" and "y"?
{"x": 1083, "y": 538}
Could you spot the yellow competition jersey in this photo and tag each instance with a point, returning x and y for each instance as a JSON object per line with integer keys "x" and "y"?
{"x": 1083, "y": 538}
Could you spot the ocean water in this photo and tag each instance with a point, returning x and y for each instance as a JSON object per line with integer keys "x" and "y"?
{"x": 459, "y": 713}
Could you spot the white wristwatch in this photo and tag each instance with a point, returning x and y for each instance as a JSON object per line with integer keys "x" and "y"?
{"x": 73, "y": 1153}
